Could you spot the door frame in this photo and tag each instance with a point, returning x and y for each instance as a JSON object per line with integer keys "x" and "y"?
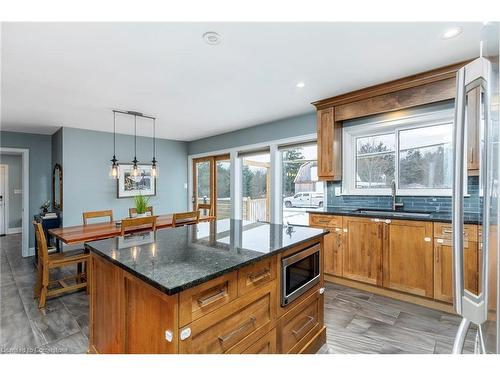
{"x": 5, "y": 167}
{"x": 213, "y": 181}
{"x": 25, "y": 180}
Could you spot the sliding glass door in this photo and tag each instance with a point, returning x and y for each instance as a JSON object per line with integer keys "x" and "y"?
{"x": 256, "y": 179}
{"x": 211, "y": 192}
{"x": 300, "y": 189}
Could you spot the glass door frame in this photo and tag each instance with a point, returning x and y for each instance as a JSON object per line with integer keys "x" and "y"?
{"x": 212, "y": 206}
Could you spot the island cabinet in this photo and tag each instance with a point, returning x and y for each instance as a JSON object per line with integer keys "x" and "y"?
{"x": 237, "y": 312}
{"x": 408, "y": 257}
{"x": 362, "y": 249}
{"x": 443, "y": 262}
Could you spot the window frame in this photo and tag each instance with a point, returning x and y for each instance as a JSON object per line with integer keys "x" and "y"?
{"x": 389, "y": 126}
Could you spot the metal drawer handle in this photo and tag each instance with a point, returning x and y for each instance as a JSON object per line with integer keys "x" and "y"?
{"x": 212, "y": 298}
{"x": 449, "y": 231}
{"x": 309, "y": 320}
{"x": 260, "y": 276}
{"x": 250, "y": 322}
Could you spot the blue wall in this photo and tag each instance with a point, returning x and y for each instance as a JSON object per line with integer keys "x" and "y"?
{"x": 87, "y": 186}
{"x": 40, "y": 168}
{"x": 15, "y": 183}
{"x": 285, "y": 128}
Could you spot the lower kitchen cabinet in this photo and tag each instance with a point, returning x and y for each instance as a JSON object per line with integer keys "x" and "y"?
{"x": 408, "y": 257}
{"x": 443, "y": 268}
{"x": 362, "y": 250}
{"x": 332, "y": 242}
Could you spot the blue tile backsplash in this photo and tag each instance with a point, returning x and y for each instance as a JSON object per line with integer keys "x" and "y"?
{"x": 472, "y": 203}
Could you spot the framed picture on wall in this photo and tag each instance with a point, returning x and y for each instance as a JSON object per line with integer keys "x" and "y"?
{"x": 130, "y": 186}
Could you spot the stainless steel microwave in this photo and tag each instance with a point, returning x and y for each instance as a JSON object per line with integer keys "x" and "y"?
{"x": 299, "y": 273}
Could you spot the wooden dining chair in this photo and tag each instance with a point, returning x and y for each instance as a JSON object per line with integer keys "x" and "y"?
{"x": 138, "y": 224}
{"x": 47, "y": 262}
{"x": 97, "y": 214}
{"x": 132, "y": 212}
{"x": 185, "y": 218}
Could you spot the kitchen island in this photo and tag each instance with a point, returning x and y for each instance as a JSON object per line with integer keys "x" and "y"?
{"x": 213, "y": 287}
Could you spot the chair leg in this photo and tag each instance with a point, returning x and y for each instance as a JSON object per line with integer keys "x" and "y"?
{"x": 38, "y": 285}
{"x": 88, "y": 267}
{"x": 43, "y": 297}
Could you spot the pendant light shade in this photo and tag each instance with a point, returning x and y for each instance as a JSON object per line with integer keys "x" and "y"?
{"x": 114, "y": 171}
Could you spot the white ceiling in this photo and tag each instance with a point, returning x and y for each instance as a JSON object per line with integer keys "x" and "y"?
{"x": 73, "y": 74}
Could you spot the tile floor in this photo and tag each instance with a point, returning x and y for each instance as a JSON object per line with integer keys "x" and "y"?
{"x": 357, "y": 321}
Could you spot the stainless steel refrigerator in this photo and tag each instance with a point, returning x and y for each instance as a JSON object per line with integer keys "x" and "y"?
{"x": 477, "y": 105}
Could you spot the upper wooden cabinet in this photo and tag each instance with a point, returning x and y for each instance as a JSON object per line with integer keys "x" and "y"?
{"x": 473, "y": 131}
{"x": 424, "y": 88}
{"x": 408, "y": 257}
{"x": 329, "y": 146}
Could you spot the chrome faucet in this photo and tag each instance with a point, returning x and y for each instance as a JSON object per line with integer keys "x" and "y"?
{"x": 395, "y": 204}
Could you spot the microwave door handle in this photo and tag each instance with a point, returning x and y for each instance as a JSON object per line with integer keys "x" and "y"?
{"x": 458, "y": 194}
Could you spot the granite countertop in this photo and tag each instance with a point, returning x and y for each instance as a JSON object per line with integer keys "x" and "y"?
{"x": 176, "y": 259}
{"x": 436, "y": 216}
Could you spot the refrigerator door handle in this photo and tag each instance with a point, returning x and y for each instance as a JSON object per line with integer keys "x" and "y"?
{"x": 458, "y": 192}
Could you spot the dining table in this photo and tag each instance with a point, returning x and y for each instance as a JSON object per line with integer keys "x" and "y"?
{"x": 84, "y": 233}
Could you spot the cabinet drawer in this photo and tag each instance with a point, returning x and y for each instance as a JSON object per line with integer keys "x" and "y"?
{"x": 264, "y": 345}
{"x": 256, "y": 275}
{"x": 325, "y": 221}
{"x": 205, "y": 298}
{"x": 299, "y": 325}
{"x": 445, "y": 231}
{"x": 230, "y": 329}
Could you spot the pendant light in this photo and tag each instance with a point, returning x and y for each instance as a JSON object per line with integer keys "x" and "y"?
{"x": 135, "y": 169}
{"x": 114, "y": 171}
{"x": 154, "y": 167}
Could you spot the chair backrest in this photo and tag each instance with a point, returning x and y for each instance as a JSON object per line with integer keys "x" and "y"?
{"x": 41, "y": 243}
{"x": 133, "y": 211}
{"x": 138, "y": 223}
{"x": 96, "y": 214}
{"x": 185, "y": 218}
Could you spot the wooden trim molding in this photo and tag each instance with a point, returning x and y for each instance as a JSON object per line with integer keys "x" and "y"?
{"x": 415, "y": 80}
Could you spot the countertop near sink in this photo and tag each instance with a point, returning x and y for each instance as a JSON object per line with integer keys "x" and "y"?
{"x": 438, "y": 216}
{"x": 176, "y": 259}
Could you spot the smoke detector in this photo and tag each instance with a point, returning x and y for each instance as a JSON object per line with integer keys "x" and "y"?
{"x": 212, "y": 38}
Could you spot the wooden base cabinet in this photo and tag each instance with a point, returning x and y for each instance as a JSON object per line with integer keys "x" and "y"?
{"x": 362, "y": 250}
{"x": 408, "y": 257}
{"x": 332, "y": 242}
{"x": 239, "y": 312}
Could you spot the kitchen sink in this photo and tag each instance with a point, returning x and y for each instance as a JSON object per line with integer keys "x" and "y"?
{"x": 394, "y": 213}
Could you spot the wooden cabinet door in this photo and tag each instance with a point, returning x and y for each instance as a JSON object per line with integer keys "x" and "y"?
{"x": 443, "y": 268}
{"x": 333, "y": 252}
{"x": 362, "y": 250}
{"x": 329, "y": 145}
{"x": 408, "y": 256}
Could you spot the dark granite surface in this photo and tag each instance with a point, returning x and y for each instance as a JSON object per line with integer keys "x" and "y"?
{"x": 176, "y": 259}
{"x": 437, "y": 216}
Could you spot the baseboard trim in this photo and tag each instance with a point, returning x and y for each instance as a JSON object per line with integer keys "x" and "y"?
{"x": 14, "y": 230}
{"x": 422, "y": 301}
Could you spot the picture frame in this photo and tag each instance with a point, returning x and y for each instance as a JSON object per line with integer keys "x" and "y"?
{"x": 128, "y": 186}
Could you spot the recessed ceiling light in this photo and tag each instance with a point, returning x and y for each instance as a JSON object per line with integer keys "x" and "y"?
{"x": 300, "y": 85}
{"x": 451, "y": 33}
{"x": 212, "y": 38}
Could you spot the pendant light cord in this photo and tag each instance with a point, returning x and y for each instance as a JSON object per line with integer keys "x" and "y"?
{"x": 154, "y": 138}
{"x": 114, "y": 134}
{"x": 135, "y": 137}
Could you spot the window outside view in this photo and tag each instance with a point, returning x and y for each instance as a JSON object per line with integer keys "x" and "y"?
{"x": 223, "y": 175}
{"x": 424, "y": 160}
{"x": 301, "y": 190}
{"x": 256, "y": 187}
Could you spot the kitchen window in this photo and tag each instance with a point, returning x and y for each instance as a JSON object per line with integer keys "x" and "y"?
{"x": 415, "y": 152}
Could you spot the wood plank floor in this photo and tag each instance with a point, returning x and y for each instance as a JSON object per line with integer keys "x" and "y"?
{"x": 357, "y": 321}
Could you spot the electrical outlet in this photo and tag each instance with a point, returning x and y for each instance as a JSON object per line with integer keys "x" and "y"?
{"x": 338, "y": 191}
